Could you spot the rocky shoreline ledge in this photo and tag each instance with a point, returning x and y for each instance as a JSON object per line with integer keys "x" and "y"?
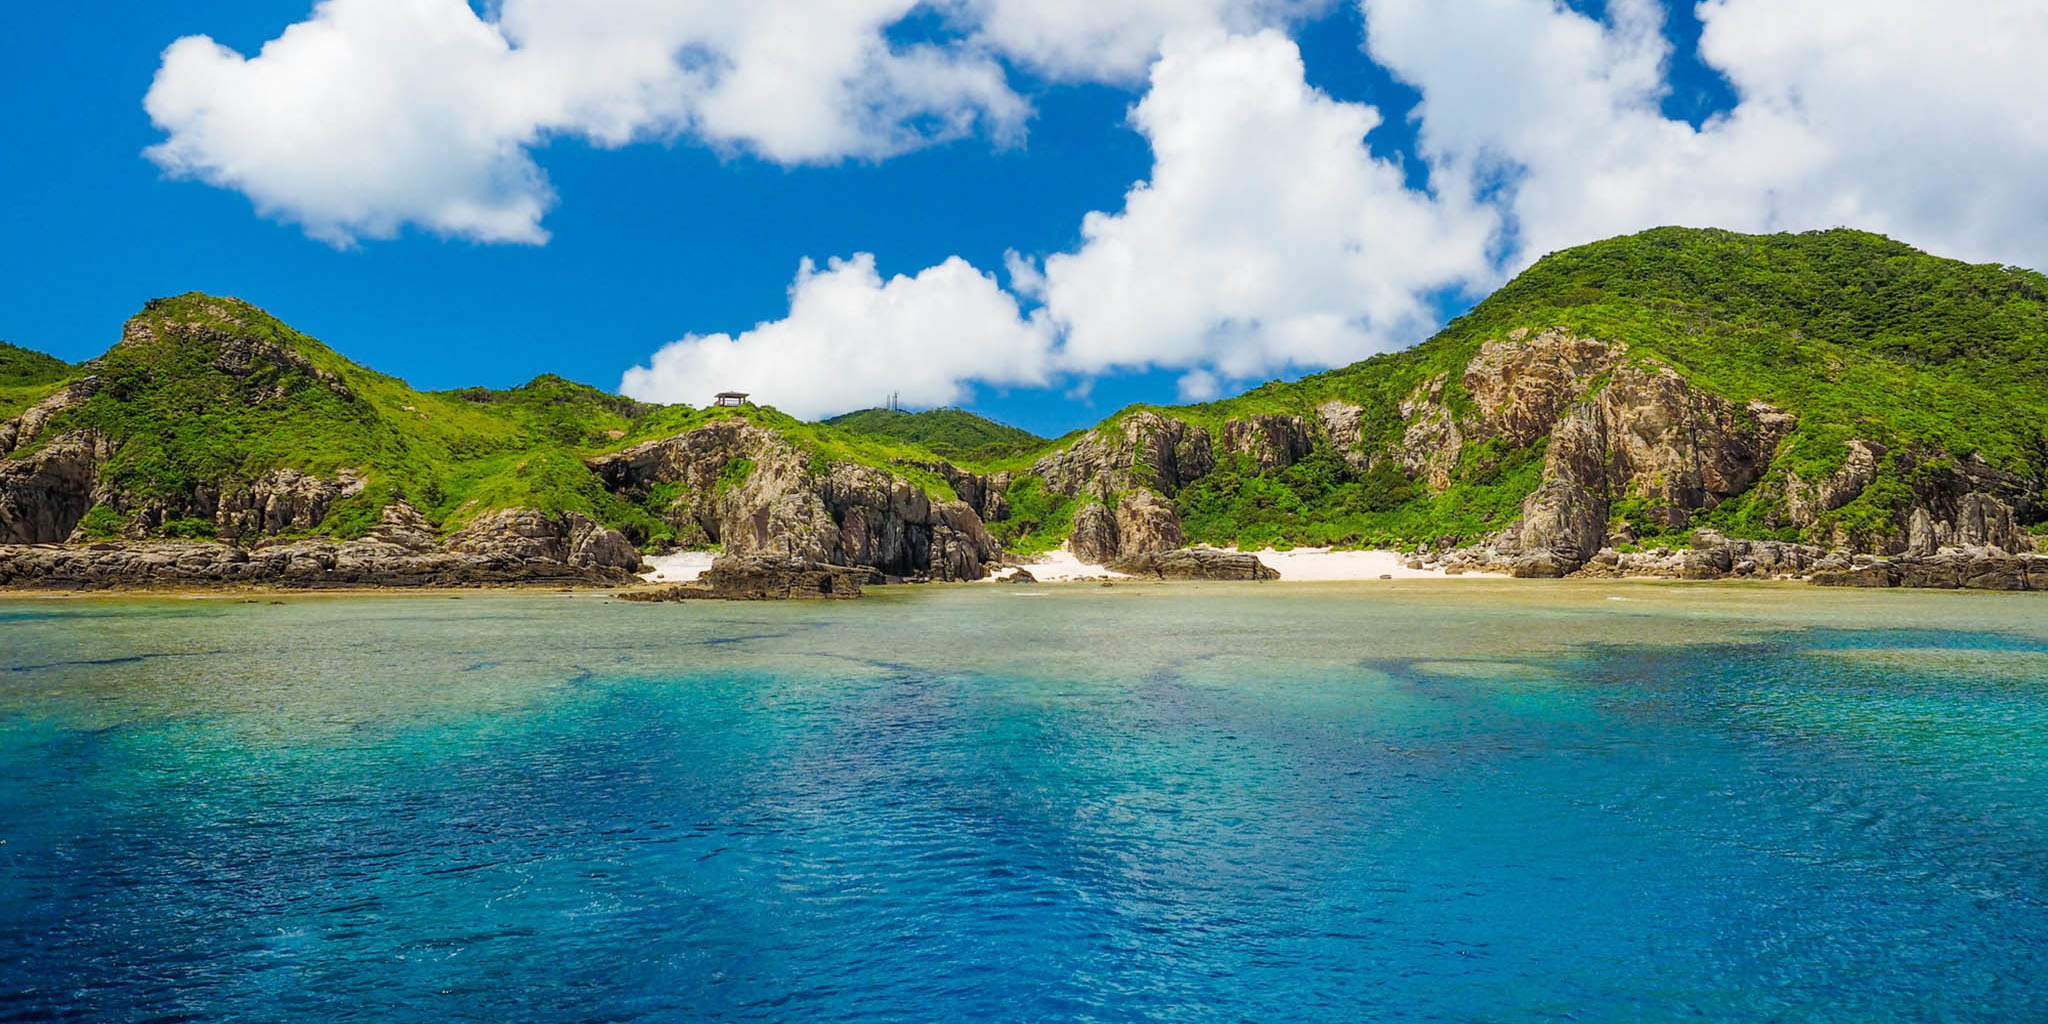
{"x": 1712, "y": 556}
{"x": 516, "y": 546}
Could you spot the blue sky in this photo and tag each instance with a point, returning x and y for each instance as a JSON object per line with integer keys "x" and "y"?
{"x": 685, "y": 235}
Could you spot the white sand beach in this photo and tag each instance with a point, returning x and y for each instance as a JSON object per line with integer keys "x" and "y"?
{"x": 680, "y": 567}
{"x": 1298, "y": 565}
{"x": 1062, "y": 567}
{"x": 1321, "y": 565}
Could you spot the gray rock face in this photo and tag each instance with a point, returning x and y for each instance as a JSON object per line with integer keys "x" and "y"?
{"x": 22, "y": 429}
{"x": 1094, "y": 535}
{"x": 1523, "y": 382}
{"x": 765, "y": 578}
{"x": 1647, "y": 434}
{"x": 1196, "y": 564}
{"x": 1342, "y": 426}
{"x": 515, "y": 546}
{"x": 1981, "y": 569}
{"x": 1143, "y": 523}
{"x": 529, "y": 535}
{"x": 1094, "y": 539}
{"x": 1432, "y": 441}
{"x": 1146, "y": 524}
{"x": 784, "y": 503}
{"x": 1145, "y": 450}
{"x": 1271, "y": 442}
{"x": 43, "y": 495}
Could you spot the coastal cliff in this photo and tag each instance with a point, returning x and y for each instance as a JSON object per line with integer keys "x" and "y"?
{"x": 1692, "y": 404}
{"x": 1680, "y": 403}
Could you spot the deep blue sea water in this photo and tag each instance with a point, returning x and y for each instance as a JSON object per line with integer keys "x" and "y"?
{"x": 1427, "y": 801}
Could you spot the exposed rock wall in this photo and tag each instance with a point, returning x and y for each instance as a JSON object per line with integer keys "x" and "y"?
{"x": 1145, "y": 450}
{"x": 836, "y": 513}
{"x": 1270, "y": 441}
{"x": 44, "y": 494}
{"x": 1143, "y": 524}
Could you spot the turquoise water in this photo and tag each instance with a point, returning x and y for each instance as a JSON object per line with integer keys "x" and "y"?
{"x": 1410, "y": 801}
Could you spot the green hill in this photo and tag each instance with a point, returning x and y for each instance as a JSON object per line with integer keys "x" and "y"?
{"x": 954, "y": 433}
{"x": 1833, "y": 387}
{"x": 25, "y": 375}
{"x": 205, "y": 395}
{"x": 1859, "y": 336}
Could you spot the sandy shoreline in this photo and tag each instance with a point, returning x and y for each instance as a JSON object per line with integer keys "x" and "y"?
{"x": 1298, "y": 565}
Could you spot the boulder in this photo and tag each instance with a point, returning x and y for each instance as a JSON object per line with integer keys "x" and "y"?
{"x": 765, "y": 578}
{"x": 1094, "y": 538}
{"x": 1196, "y": 564}
{"x": 1146, "y": 524}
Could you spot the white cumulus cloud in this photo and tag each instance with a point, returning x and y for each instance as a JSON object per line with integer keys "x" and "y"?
{"x": 852, "y": 339}
{"x": 374, "y": 114}
{"x": 1267, "y": 236}
{"x": 1899, "y": 116}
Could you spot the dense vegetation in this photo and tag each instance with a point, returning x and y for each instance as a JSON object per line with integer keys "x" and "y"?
{"x": 954, "y": 433}
{"x": 211, "y": 392}
{"x": 25, "y": 376}
{"x": 1860, "y": 336}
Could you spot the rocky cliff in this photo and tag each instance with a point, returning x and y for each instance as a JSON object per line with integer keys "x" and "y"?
{"x": 1674, "y": 403}
{"x": 1687, "y": 403}
{"x": 752, "y": 491}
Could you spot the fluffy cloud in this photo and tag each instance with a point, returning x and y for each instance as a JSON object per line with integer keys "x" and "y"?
{"x": 1094, "y": 40}
{"x": 374, "y": 114}
{"x": 852, "y": 339}
{"x": 1899, "y": 116}
{"x": 1267, "y": 236}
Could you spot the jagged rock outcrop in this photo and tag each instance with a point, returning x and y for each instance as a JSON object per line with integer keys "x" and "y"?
{"x": 1270, "y": 441}
{"x": 765, "y": 578}
{"x": 753, "y": 492}
{"x": 1094, "y": 537}
{"x": 1805, "y": 501}
{"x": 1145, "y": 450}
{"x": 276, "y": 502}
{"x": 1432, "y": 442}
{"x": 1143, "y": 523}
{"x": 1196, "y": 564}
{"x": 44, "y": 494}
{"x": 530, "y": 535}
{"x": 1647, "y": 434}
{"x": 1146, "y": 524}
{"x": 1979, "y": 569}
{"x": 985, "y": 493}
{"x": 515, "y": 546}
{"x": 1524, "y": 382}
{"x": 19, "y": 431}
{"x": 1343, "y": 426}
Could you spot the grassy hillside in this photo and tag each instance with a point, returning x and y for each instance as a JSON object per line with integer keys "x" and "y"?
{"x": 206, "y": 392}
{"x": 1859, "y": 335}
{"x": 26, "y": 376}
{"x": 954, "y": 433}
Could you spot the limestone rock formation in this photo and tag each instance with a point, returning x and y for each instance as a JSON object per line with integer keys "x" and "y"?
{"x": 1342, "y": 424}
{"x": 1143, "y": 524}
{"x": 1270, "y": 441}
{"x": 23, "y": 429}
{"x": 44, "y": 494}
{"x": 752, "y": 491}
{"x": 1146, "y": 450}
{"x": 1196, "y": 564}
{"x": 764, "y": 578}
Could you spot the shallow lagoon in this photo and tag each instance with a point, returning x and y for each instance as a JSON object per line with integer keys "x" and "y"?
{"x": 1404, "y": 801}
